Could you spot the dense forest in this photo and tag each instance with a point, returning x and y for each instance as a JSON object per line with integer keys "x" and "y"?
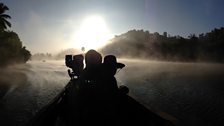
{"x": 11, "y": 48}
{"x": 143, "y": 44}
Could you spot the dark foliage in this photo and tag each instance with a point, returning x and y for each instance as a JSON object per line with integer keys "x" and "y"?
{"x": 3, "y": 17}
{"x": 142, "y": 44}
{"x": 11, "y": 48}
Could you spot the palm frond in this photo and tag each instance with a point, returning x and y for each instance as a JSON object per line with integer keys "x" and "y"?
{"x": 5, "y": 16}
{"x": 3, "y": 8}
{"x": 7, "y": 23}
{"x": 2, "y": 26}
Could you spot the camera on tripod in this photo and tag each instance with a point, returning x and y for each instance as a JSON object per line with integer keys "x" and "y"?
{"x": 75, "y": 62}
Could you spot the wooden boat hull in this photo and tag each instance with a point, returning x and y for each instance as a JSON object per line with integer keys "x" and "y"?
{"x": 72, "y": 107}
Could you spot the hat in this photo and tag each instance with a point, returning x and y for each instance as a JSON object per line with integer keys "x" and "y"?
{"x": 111, "y": 60}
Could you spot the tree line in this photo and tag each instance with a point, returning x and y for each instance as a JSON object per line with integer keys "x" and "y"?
{"x": 143, "y": 44}
{"x": 11, "y": 48}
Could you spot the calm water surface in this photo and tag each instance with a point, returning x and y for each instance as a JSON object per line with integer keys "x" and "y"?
{"x": 190, "y": 92}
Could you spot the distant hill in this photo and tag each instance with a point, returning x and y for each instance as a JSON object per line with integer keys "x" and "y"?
{"x": 207, "y": 47}
{"x": 143, "y": 44}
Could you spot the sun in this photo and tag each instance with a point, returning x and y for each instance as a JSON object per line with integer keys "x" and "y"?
{"x": 93, "y": 33}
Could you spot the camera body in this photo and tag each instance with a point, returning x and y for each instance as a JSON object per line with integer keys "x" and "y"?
{"x": 75, "y": 62}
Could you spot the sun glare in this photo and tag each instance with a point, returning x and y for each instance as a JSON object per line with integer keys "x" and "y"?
{"x": 93, "y": 33}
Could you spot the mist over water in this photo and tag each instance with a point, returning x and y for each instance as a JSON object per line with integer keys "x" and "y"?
{"x": 27, "y": 88}
{"x": 190, "y": 92}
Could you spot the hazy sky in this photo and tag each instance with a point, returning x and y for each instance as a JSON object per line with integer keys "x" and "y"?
{"x": 53, "y": 25}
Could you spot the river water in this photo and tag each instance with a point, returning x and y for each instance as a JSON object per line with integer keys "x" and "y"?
{"x": 191, "y": 93}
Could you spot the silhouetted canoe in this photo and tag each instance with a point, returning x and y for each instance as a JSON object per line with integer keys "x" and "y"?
{"x": 72, "y": 107}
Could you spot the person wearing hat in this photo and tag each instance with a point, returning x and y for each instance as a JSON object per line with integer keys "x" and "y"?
{"x": 110, "y": 66}
{"x": 111, "y": 61}
{"x": 109, "y": 87}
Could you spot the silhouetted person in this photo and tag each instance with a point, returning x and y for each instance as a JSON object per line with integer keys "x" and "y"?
{"x": 108, "y": 90}
{"x": 110, "y": 66}
{"x": 89, "y": 91}
{"x": 93, "y": 61}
